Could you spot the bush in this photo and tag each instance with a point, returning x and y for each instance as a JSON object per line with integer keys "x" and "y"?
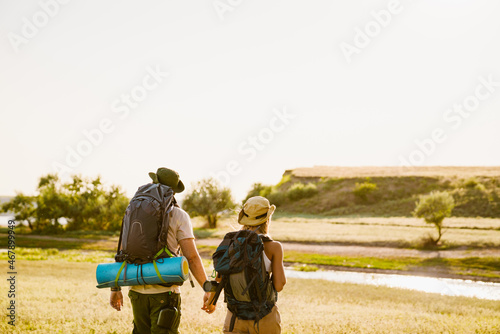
{"x": 277, "y": 197}
{"x": 330, "y": 182}
{"x": 258, "y": 189}
{"x": 300, "y": 190}
{"x": 274, "y": 196}
{"x": 362, "y": 190}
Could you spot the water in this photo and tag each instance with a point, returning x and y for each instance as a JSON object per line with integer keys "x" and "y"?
{"x": 4, "y": 220}
{"x": 444, "y": 286}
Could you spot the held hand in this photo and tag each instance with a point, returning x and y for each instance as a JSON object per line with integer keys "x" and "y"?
{"x": 206, "y": 299}
{"x": 116, "y": 300}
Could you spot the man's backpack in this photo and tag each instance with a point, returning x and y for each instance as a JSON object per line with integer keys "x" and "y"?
{"x": 248, "y": 289}
{"x": 143, "y": 236}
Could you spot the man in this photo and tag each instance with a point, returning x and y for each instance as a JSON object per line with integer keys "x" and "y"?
{"x": 148, "y": 300}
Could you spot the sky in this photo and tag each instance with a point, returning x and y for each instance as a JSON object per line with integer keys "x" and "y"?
{"x": 243, "y": 90}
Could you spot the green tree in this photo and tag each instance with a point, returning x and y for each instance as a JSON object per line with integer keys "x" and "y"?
{"x": 23, "y": 208}
{"x": 86, "y": 204}
{"x": 50, "y": 205}
{"x": 208, "y": 199}
{"x": 94, "y": 207}
{"x": 434, "y": 208}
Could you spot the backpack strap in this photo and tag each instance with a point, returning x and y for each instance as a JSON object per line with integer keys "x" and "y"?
{"x": 166, "y": 216}
{"x": 120, "y": 239}
{"x": 221, "y": 285}
{"x": 233, "y": 320}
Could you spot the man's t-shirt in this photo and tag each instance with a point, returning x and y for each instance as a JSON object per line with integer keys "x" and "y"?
{"x": 179, "y": 228}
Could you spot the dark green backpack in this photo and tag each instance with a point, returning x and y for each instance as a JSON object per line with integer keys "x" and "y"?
{"x": 145, "y": 225}
{"x": 248, "y": 289}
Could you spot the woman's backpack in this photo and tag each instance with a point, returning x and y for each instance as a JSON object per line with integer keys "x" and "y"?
{"x": 248, "y": 289}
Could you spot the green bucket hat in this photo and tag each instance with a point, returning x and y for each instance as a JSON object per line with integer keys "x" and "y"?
{"x": 169, "y": 178}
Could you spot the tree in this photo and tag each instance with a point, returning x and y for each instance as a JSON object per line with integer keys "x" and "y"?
{"x": 23, "y": 208}
{"x": 434, "y": 208}
{"x": 208, "y": 199}
{"x": 85, "y": 203}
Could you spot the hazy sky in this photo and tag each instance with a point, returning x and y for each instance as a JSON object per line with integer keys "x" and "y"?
{"x": 244, "y": 89}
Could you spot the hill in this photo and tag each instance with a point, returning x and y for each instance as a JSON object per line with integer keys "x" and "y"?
{"x": 383, "y": 191}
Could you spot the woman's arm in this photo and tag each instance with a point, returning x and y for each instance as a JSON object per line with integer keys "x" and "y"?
{"x": 278, "y": 277}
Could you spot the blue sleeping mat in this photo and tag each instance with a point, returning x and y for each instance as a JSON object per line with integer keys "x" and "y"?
{"x": 172, "y": 270}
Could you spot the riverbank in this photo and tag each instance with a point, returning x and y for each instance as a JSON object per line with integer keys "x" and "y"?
{"x": 478, "y": 265}
{"x": 67, "y": 280}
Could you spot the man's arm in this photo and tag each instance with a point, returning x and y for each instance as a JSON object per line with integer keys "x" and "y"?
{"x": 189, "y": 250}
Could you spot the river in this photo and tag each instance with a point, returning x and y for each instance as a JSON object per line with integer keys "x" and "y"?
{"x": 444, "y": 286}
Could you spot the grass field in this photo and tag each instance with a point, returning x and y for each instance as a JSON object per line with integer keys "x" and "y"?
{"x": 59, "y": 296}
{"x": 393, "y": 231}
{"x": 478, "y": 240}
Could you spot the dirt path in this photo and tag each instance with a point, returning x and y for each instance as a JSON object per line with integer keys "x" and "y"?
{"x": 329, "y": 249}
{"x": 49, "y": 237}
{"x": 352, "y": 250}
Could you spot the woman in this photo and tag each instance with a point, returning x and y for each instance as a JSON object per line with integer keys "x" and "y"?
{"x": 256, "y": 216}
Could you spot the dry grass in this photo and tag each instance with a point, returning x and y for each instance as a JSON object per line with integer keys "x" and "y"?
{"x": 373, "y": 171}
{"x": 402, "y": 236}
{"x": 396, "y": 232}
{"x": 60, "y": 297}
{"x": 452, "y": 222}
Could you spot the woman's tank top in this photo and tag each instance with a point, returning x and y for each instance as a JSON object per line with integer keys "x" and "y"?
{"x": 267, "y": 263}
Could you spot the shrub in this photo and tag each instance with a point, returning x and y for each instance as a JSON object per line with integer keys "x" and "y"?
{"x": 329, "y": 182}
{"x": 362, "y": 190}
{"x": 277, "y": 197}
{"x": 271, "y": 193}
{"x": 300, "y": 190}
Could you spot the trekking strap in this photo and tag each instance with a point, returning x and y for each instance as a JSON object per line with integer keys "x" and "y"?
{"x": 119, "y": 272}
{"x": 164, "y": 249}
{"x": 158, "y": 272}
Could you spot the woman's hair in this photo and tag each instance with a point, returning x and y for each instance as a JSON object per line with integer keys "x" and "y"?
{"x": 262, "y": 228}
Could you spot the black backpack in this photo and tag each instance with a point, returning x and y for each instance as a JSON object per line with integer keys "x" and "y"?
{"x": 143, "y": 236}
{"x": 248, "y": 289}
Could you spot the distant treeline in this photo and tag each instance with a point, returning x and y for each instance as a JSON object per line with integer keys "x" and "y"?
{"x": 475, "y": 196}
{"x": 86, "y": 204}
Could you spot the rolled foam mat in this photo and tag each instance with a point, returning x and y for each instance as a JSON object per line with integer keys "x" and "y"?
{"x": 174, "y": 269}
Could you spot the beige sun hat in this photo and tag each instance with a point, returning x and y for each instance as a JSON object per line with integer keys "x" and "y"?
{"x": 256, "y": 211}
